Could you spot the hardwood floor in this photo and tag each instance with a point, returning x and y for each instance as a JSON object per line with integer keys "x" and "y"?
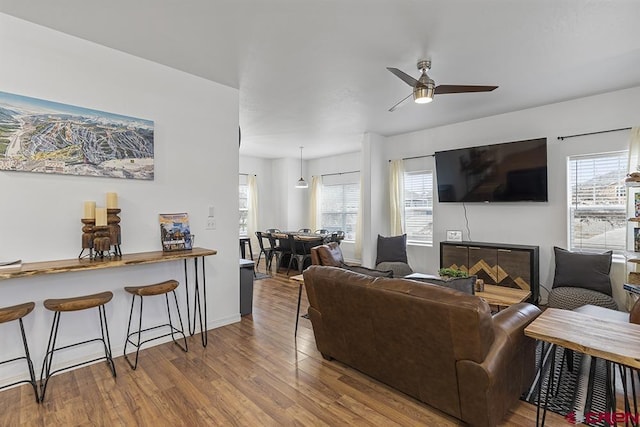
{"x": 252, "y": 373}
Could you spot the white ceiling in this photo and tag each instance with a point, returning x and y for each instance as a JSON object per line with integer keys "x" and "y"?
{"x": 312, "y": 73}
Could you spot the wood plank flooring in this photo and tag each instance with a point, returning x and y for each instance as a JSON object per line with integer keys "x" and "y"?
{"x": 252, "y": 373}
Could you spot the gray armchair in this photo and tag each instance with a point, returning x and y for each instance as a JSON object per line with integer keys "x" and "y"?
{"x": 581, "y": 279}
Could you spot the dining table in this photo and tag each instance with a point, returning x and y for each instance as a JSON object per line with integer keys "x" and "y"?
{"x": 306, "y": 242}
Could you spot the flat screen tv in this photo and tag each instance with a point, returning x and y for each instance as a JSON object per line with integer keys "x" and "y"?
{"x": 508, "y": 172}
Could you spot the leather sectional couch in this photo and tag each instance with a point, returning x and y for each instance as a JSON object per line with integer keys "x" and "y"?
{"x": 438, "y": 345}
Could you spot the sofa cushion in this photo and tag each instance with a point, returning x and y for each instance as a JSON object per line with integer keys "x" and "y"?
{"x": 400, "y": 269}
{"x": 570, "y": 298}
{"x": 583, "y": 270}
{"x": 392, "y": 249}
{"x": 368, "y": 271}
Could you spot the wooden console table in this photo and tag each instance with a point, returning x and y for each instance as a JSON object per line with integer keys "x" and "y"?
{"x": 68, "y": 265}
{"x": 512, "y": 266}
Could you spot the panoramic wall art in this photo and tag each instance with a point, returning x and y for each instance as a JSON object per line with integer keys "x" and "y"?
{"x": 50, "y": 137}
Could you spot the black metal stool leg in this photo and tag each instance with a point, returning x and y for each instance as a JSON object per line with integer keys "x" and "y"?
{"x": 102, "y": 313}
{"x": 32, "y": 374}
{"x": 171, "y": 327}
{"x": 45, "y": 374}
{"x": 139, "y": 333}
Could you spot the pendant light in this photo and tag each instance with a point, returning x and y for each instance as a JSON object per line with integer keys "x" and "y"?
{"x": 301, "y": 182}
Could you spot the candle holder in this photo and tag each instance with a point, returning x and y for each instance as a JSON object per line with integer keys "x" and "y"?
{"x": 101, "y": 241}
{"x": 87, "y": 237}
{"x": 115, "y": 236}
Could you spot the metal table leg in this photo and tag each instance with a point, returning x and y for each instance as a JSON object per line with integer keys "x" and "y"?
{"x": 198, "y": 303}
{"x": 295, "y": 333}
{"x": 552, "y": 349}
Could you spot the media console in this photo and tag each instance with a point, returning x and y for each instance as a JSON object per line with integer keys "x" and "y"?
{"x": 513, "y": 266}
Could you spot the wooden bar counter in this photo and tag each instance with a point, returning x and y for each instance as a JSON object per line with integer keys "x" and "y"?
{"x": 75, "y": 264}
{"x": 199, "y": 277}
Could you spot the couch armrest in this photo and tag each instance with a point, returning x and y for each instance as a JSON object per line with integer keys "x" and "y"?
{"x": 515, "y": 318}
{"x": 489, "y": 389}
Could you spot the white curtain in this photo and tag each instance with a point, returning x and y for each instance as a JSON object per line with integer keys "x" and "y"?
{"x": 396, "y": 196}
{"x": 252, "y": 214}
{"x": 316, "y": 201}
{"x": 634, "y": 150}
{"x": 359, "y": 229}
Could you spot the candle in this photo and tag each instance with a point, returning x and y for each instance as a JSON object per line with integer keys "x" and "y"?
{"x": 112, "y": 200}
{"x": 89, "y": 210}
{"x": 101, "y": 217}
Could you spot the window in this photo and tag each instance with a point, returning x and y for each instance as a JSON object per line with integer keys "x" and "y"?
{"x": 244, "y": 207}
{"x": 418, "y": 206}
{"x": 597, "y": 197}
{"x": 339, "y": 208}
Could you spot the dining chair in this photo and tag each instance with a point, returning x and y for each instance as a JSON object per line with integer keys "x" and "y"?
{"x": 299, "y": 253}
{"x": 272, "y": 230}
{"x": 304, "y": 230}
{"x": 337, "y": 236}
{"x": 322, "y": 231}
{"x": 268, "y": 251}
{"x": 280, "y": 248}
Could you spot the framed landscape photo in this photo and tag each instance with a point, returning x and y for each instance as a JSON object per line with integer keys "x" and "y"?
{"x": 175, "y": 234}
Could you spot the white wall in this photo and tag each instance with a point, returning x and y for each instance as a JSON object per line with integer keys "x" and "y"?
{"x": 195, "y": 166}
{"x": 541, "y": 224}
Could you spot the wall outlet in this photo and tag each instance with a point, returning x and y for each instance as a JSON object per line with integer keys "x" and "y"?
{"x": 211, "y": 223}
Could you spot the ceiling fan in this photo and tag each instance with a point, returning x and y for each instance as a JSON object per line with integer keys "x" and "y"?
{"x": 424, "y": 88}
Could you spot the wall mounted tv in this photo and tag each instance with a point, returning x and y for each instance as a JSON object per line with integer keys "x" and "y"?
{"x": 508, "y": 172}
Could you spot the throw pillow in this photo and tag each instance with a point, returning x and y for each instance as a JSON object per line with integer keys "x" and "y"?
{"x": 392, "y": 249}
{"x": 462, "y": 284}
{"x": 583, "y": 270}
{"x": 368, "y": 271}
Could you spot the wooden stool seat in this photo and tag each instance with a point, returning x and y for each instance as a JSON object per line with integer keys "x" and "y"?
{"x": 155, "y": 289}
{"x": 78, "y": 303}
{"x": 8, "y": 314}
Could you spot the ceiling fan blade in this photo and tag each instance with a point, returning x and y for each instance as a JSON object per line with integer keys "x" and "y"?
{"x": 404, "y": 77}
{"x": 443, "y": 89}
{"x": 392, "y": 109}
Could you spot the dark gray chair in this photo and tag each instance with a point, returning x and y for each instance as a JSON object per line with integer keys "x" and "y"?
{"x": 268, "y": 251}
{"x": 299, "y": 253}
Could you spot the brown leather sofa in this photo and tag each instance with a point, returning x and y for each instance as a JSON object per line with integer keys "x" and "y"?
{"x": 435, "y": 344}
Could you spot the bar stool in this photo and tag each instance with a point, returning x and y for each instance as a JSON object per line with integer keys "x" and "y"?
{"x": 75, "y": 304}
{"x": 162, "y": 288}
{"x": 17, "y": 312}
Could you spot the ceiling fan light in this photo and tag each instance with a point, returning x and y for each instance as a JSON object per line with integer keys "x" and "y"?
{"x": 423, "y": 95}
